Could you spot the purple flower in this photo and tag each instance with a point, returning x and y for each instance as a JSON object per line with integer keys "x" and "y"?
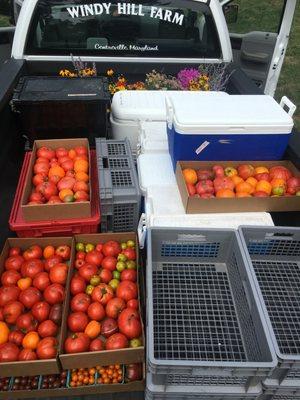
{"x": 186, "y": 75}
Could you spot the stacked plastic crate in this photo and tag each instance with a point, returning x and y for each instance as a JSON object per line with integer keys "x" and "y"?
{"x": 120, "y": 196}
{"x": 206, "y": 334}
{"x": 274, "y": 259}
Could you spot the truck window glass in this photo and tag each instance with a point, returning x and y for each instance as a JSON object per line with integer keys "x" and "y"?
{"x": 156, "y": 28}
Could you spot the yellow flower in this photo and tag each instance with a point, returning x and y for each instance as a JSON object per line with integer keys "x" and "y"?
{"x": 110, "y": 72}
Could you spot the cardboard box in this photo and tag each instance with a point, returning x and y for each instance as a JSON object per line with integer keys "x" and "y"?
{"x": 36, "y": 367}
{"x": 196, "y": 205}
{"x": 106, "y": 357}
{"x": 46, "y": 212}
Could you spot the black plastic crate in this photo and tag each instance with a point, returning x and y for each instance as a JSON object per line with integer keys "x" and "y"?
{"x": 120, "y": 196}
{"x": 54, "y": 107}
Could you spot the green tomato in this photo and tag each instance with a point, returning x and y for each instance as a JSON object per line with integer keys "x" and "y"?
{"x": 135, "y": 343}
{"x": 89, "y": 247}
{"x": 130, "y": 243}
{"x": 89, "y": 289}
{"x": 131, "y": 264}
{"x": 116, "y": 275}
{"x": 278, "y": 191}
{"x": 95, "y": 280}
{"x": 122, "y": 257}
{"x": 121, "y": 265}
{"x": 114, "y": 283}
{"x": 80, "y": 247}
{"x": 123, "y": 246}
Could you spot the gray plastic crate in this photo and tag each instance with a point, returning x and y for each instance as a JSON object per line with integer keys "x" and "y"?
{"x": 274, "y": 261}
{"x": 213, "y": 392}
{"x": 120, "y": 196}
{"x": 204, "y": 318}
{"x": 279, "y": 394}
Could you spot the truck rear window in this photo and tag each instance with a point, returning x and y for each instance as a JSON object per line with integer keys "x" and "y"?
{"x": 156, "y": 28}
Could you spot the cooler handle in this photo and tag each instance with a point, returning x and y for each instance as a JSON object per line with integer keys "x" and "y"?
{"x": 142, "y": 231}
{"x": 169, "y": 112}
{"x": 288, "y": 106}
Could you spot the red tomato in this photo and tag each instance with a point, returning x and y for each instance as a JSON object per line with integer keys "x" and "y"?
{"x": 133, "y": 303}
{"x": 41, "y": 311}
{"x": 58, "y": 273}
{"x": 33, "y": 252}
{"x": 35, "y": 196}
{"x": 130, "y": 253}
{"x": 41, "y": 168}
{"x": 51, "y": 261}
{"x": 77, "y": 321}
{"x": 77, "y": 285}
{"x": 109, "y": 326}
{"x": 14, "y": 251}
{"x": 47, "y": 348}
{"x": 105, "y": 275}
{"x": 81, "y": 151}
{"x": 1, "y": 314}
{"x": 41, "y": 281}
{"x": 8, "y": 294}
{"x": 116, "y": 341}
{"x": 30, "y": 296}
{"x": 54, "y": 200}
{"x": 56, "y": 313}
{"x": 39, "y": 178}
{"x": 129, "y": 275}
{"x": 96, "y": 311}
{"x": 79, "y": 263}
{"x": 45, "y": 152}
{"x": 66, "y": 183}
{"x": 10, "y": 277}
{"x": 80, "y": 255}
{"x": 26, "y": 322}
{"x": 94, "y": 257}
{"x": 54, "y": 293}
{"x": 64, "y": 252}
{"x": 41, "y": 159}
{"x": 47, "y": 328}
{"x": 47, "y": 189}
{"x": 14, "y": 262}
{"x": 99, "y": 247}
{"x": 87, "y": 271}
{"x": 12, "y": 311}
{"x": 68, "y": 165}
{"x": 129, "y": 323}
{"x": 114, "y": 307}
{"x": 31, "y": 268}
{"x": 127, "y": 290}
{"x": 16, "y": 337}
{"x": 80, "y": 302}
{"x": 97, "y": 345}
{"x": 27, "y": 355}
{"x": 111, "y": 248}
{"x": 109, "y": 262}
{"x": 102, "y": 293}
{"x": 77, "y": 343}
{"x": 61, "y": 152}
{"x": 8, "y": 352}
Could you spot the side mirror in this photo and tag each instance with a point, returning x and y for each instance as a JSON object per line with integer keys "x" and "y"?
{"x": 231, "y": 13}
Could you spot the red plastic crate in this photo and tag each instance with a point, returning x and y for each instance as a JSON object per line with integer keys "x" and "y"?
{"x": 64, "y": 227}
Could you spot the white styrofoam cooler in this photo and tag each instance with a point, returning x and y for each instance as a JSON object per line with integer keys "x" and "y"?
{"x": 130, "y": 107}
{"x": 248, "y": 127}
{"x": 163, "y": 204}
{"x": 152, "y": 138}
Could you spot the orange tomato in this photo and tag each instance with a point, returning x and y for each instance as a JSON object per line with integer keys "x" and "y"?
{"x": 223, "y": 193}
{"x": 31, "y": 340}
{"x": 82, "y": 176}
{"x": 252, "y": 181}
{"x": 48, "y": 251}
{"x": 56, "y": 171}
{"x": 4, "y": 332}
{"x": 65, "y": 192}
{"x": 264, "y": 186}
{"x": 24, "y": 283}
{"x": 72, "y": 154}
{"x": 243, "y": 194}
{"x": 275, "y": 182}
{"x": 261, "y": 170}
{"x": 92, "y": 371}
{"x": 93, "y": 329}
{"x": 245, "y": 187}
{"x": 91, "y": 381}
{"x": 81, "y": 166}
{"x": 236, "y": 179}
{"x": 190, "y": 176}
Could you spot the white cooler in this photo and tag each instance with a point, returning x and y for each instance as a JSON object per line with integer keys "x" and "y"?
{"x": 131, "y": 107}
{"x": 163, "y": 204}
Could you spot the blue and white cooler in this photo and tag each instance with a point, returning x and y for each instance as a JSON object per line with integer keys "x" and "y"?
{"x": 227, "y": 128}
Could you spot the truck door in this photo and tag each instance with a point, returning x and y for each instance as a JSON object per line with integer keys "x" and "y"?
{"x": 259, "y": 34}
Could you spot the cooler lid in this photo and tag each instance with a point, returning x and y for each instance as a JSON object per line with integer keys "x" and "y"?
{"x": 231, "y": 114}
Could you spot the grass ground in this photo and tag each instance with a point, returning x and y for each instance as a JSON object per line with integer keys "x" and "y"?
{"x": 4, "y": 20}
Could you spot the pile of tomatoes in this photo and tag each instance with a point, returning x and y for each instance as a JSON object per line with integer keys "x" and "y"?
{"x": 60, "y": 176}
{"x": 110, "y": 374}
{"x": 104, "y": 308}
{"x": 31, "y": 297}
{"x": 82, "y": 377}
